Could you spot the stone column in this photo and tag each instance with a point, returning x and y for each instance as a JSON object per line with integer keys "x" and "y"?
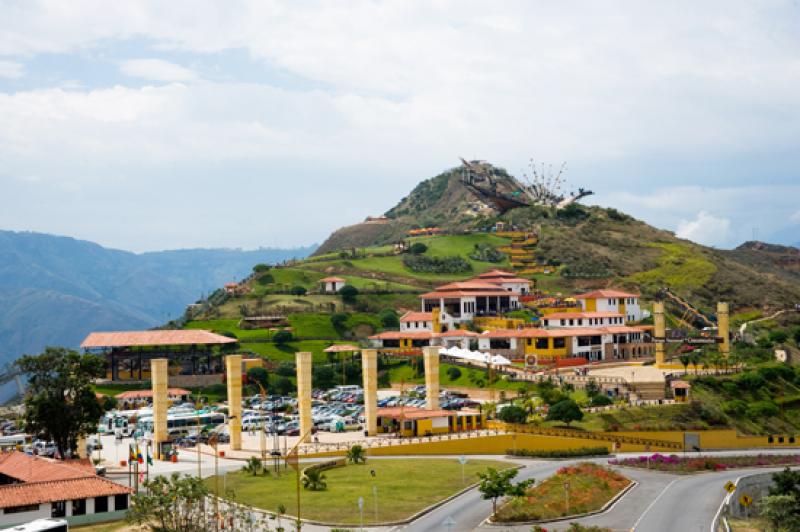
{"x": 233, "y": 371}
{"x": 431, "y": 356}
{"x": 369, "y": 371}
{"x": 159, "y": 374}
{"x": 304, "y": 394}
{"x": 723, "y": 329}
{"x": 660, "y": 331}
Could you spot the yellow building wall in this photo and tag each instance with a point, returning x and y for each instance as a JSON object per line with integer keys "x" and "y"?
{"x": 437, "y": 326}
{"x": 494, "y": 323}
{"x": 591, "y": 305}
{"x": 621, "y": 307}
{"x": 550, "y": 352}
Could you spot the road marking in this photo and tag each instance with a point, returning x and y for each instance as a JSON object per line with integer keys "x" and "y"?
{"x": 653, "y": 504}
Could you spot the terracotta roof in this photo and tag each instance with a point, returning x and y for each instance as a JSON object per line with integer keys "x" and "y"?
{"x": 142, "y": 394}
{"x": 332, "y": 280}
{"x": 478, "y": 284}
{"x": 680, "y": 384}
{"x": 410, "y": 412}
{"x": 619, "y": 329}
{"x": 416, "y": 316}
{"x": 496, "y": 273}
{"x": 511, "y": 280}
{"x": 574, "y": 315}
{"x": 458, "y": 333}
{"x": 27, "y": 468}
{"x": 152, "y": 338}
{"x": 399, "y": 335}
{"x": 605, "y": 293}
{"x": 341, "y": 348}
{"x": 495, "y": 291}
{"x": 58, "y": 490}
{"x": 530, "y": 332}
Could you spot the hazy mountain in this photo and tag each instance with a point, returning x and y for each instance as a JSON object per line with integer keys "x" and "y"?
{"x": 54, "y": 289}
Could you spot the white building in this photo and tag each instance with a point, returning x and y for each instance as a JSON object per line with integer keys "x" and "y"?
{"x": 461, "y": 302}
{"x": 507, "y": 281}
{"x": 332, "y": 285}
{"x": 624, "y": 303}
{"x": 33, "y": 487}
{"x": 416, "y": 321}
{"x": 582, "y": 319}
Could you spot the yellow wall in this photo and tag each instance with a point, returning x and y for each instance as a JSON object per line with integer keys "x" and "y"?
{"x": 435, "y": 314}
{"x": 493, "y": 323}
{"x": 550, "y": 352}
{"x": 621, "y": 307}
{"x": 591, "y": 305}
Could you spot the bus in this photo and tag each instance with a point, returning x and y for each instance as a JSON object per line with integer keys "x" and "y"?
{"x": 184, "y": 423}
{"x": 14, "y": 442}
{"x": 43, "y": 525}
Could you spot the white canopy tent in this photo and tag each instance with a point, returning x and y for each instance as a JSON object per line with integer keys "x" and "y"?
{"x": 475, "y": 356}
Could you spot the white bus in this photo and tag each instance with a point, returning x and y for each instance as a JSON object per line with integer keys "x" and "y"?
{"x": 184, "y": 424}
{"x": 14, "y": 441}
{"x": 43, "y": 525}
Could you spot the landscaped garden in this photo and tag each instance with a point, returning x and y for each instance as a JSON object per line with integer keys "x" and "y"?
{"x": 574, "y": 490}
{"x": 404, "y": 487}
{"x": 680, "y": 464}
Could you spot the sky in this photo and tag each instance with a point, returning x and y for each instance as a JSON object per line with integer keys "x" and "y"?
{"x": 158, "y": 125}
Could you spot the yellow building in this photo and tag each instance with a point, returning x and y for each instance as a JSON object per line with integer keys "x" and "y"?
{"x": 409, "y": 421}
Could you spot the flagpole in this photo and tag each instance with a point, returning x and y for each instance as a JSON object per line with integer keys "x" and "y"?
{"x": 147, "y": 466}
{"x": 130, "y": 452}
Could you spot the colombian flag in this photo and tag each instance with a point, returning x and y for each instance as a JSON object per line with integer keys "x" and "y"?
{"x": 131, "y": 454}
{"x": 139, "y": 457}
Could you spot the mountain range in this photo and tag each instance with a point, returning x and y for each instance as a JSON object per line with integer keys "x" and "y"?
{"x": 54, "y": 289}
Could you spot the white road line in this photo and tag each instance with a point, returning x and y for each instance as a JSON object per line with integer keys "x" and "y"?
{"x": 653, "y": 504}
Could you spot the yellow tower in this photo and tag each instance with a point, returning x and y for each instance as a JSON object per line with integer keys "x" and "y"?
{"x": 304, "y": 394}
{"x": 660, "y": 331}
{"x": 160, "y": 379}
{"x": 233, "y": 370}
{"x": 723, "y": 329}
{"x": 369, "y": 370}
{"x": 431, "y": 356}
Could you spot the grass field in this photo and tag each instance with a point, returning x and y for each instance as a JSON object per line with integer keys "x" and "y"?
{"x": 230, "y": 325}
{"x": 679, "y": 266}
{"x": 404, "y": 487}
{"x": 469, "y": 378}
{"x": 114, "y": 526}
{"x": 286, "y": 352}
{"x": 590, "y": 487}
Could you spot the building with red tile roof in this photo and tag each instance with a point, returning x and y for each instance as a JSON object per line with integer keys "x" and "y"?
{"x": 332, "y": 284}
{"x": 33, "y": 487}
{"x": 612, "y": 300}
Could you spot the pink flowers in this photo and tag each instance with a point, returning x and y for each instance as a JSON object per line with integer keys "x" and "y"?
{"x": 693, "y": 463}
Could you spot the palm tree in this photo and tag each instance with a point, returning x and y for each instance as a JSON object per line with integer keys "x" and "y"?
{"x": 356, "y": 454}
{"x": 685, "y": 360}
{"x": 695, "y": 359}
{"x": 314, "y": 480}
{"x": 253, "y": 465}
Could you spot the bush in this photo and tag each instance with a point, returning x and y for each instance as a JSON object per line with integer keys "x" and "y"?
{"x": 265, "y": 279}
{"x": 282, "y": 337}
{"x": 389, "y": 318}
{"x": 601, "y": 400}
{"x": 261, "y": 268}
{"x": 560, "y": 453}
{"x": 762, "y": 409}
{"x": 348, "y": 293}
{"x": 283, "y": 386}
{"x": 258, "y": 375}
{"x": 486, "y": 253}
{"x": 751, "y": 381}
{"x": 424, "y": 264}
{"x": 735, "y": 407}
{"x": 453, "y": 373}
{"x": 339, "y": 321}
{"x": 298, "y": 290}
{"x": 513, "y": 414}
{"x": 773, "y": 372}
{"x": 418, "y": 248}
{"x": 566, "y": 411}
{"x": 286, "y": 369}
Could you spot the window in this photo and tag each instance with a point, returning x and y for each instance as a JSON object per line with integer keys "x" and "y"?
{"x": 572, "y": 322}
{"x": 541, "y": 343}
{"x": 21, "y": 509}
{"x": 580, "y": 321}
{"x": 559, "y": 343}
{"x": 121, "y": 502}
{"x": 100, "y": 505}
{"x": 79, "y": 507}
{"x": 58, "y": 509}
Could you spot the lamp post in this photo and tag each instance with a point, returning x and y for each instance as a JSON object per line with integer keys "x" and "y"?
{"x": 566, "y": 495}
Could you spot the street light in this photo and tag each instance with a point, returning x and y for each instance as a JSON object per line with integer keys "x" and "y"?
{"x": 566, "y": 495}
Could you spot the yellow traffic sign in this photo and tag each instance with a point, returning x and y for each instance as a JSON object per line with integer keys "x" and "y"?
{"x": 730, "y": 487}
{"x": 745, "y": 500}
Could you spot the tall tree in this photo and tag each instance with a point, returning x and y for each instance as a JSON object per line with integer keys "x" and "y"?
{"x": 61, "y": 404}
{"x": 496, "y": 484}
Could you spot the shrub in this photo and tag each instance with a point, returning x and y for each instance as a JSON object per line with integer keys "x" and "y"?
{"x": 339, "y": 321}
{"x": 559, "y": 453}
{"x": 424, "y": 264}
{"x": 601, "y": 400}
{"x": 762, "y": 409}
{"x": 283, "y": 386}
{"x": 267, "y": 278}
{"x": 389, "y": 318}
{"x": 261, "y": 268}
{"x": 418, "y": 248}
{"x": 282, "y": 337}
{"x": 286, "y": 369}
{"x": 750, "y": 380}
{"x": 778, "y": 336}
{"x": 566, "y": 411}
{"x": 348, "y": 293}
{"x": 298, "y": 290}
{"x": 486, "y": 253}
{"x": 453, "y": 373}
{"x": 513, "y": 414}
{"x": 736, "y": 407}
{"x": 773, "y": 372}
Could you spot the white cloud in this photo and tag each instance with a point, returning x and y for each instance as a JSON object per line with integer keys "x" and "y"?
{"x": 156, "y": 70}
{"x": 11, "y": 69}
{"x": 704, "y": 229}
{"x": 795, "y": 217}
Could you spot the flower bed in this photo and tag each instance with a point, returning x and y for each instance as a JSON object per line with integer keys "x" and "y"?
{"x": 564, "y": 453}
{"x": 679, "y": 464}
{"x": 590, "y": 487}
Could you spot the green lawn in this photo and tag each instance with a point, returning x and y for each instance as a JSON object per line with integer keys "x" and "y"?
{"x": 680, "y": 266}
{"x": 404, "y": 487}
{"x": 469, "y": 378}
{"x": 114, "y": 526}
{"x": 112, "y": 390}
{"x": 286, "y": 352}
{"x": 308, "y": 324}
{"x": 228, "y": 325}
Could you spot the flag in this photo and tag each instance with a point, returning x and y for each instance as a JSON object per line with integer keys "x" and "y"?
{"x": 141, "y": 477}
{"x": 149, "y": 458}
{"x": 139, "y": 457}
{"x": 131, "y": 454}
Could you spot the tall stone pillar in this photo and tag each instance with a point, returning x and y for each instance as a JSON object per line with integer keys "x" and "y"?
{"x": 660, "y": 331}
{"x": 304, "y": 394}
{"x": 159, "y": 374}
{"x": 723, "y": 329}
{"x": 233, "y": 370}
{"x": 431, "y": 356}
{"x": 369, "y": 371}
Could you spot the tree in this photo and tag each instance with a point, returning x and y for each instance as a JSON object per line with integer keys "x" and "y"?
{"x": 453, "y": 373}
{"x": 782, "y": 511}
{"x": 418, "y": 248}
{"x": 61, "y": 404}
{"x": 339, "y": 321}
{"x": 282, "y": 337}
{"x": 685, "y": 360}
{"x": 259, "y": 376}
{"x": 324, "y": 377}
{"x": 171, "y": 504}
{"x": 356, "y": 454}
{"x": 283, "y": 386}
{"x": 348, "y": 293}
{"x": 566, "y": 411}
{"x": 261, "y": 268}
{"x": 786, "y": 482}
{"x": 389, "y": 319}
{"x": 298, "y": 290}
{"x": 592, "y": 388}
{"x": 513, "y": 414}
{"x": 314, "y": 480}
{"x": 778, "y": 336}
{"x": 495, "y": 484}
{"x": 253, "y": 466}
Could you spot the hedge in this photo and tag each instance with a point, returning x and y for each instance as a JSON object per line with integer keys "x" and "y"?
{"x": 562, "y": 453}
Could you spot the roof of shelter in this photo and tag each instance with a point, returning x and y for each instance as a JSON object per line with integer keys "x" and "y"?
{"x": 155, "y": 338}
{"x": 605, "y": 293}
{"x": 332, "y": 280}
{"x": 416, "y": 316}
{"x": 142, "y": 394}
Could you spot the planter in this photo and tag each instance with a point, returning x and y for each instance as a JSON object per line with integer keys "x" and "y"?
{"x": 123, "y": 463}
{"x": 222, "y": 454}
{"x": 174, "y": 458}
